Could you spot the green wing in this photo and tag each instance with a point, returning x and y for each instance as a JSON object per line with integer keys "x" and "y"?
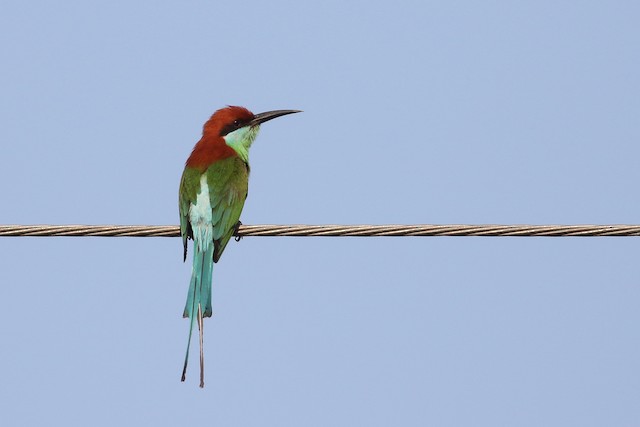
{"x": 189, "y": 188}
{"x": 228, "y": 182}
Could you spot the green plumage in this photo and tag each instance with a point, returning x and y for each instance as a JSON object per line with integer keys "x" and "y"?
{"x": 213, "y": 189}
{"x": 228, "y": 183}
{"x": 210, "y": 207}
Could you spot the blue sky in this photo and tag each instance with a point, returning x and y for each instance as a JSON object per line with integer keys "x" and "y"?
{"x": 414, "y": 112}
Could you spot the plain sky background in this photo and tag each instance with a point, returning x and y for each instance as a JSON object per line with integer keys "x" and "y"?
{"x": 509, "y": 112}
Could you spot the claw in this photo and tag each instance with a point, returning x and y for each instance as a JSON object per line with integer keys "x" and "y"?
{"x": 236, "y": 230}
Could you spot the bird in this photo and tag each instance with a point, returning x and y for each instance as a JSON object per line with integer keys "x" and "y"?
{"x": 213, "y": 189}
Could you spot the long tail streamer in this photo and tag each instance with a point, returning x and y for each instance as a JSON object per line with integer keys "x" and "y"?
{"x": 199, "y": 296}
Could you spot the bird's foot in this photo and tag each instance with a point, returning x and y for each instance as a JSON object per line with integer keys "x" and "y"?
{"x": 236, "y": 231}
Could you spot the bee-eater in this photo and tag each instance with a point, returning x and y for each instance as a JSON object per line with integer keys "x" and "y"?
{"x": 213, "y": 189}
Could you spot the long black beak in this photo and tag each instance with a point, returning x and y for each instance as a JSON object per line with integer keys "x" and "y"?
{"x": 266, "y": 116}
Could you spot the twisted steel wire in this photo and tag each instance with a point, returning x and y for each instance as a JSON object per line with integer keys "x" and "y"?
{"x": 329, "y": 230}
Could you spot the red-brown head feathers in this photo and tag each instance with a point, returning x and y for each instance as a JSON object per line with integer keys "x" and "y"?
{"x": 229, "y": 132}
{"x": 211, "y": 146}
{"x": 225, "y": 118}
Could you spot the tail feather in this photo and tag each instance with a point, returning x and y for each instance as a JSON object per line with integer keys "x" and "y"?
{"x": 207, "y": 272}
{"x": 199, "y": 301}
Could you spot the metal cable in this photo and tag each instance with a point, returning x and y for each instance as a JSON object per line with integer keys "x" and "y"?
{"x": 329, "y": 230}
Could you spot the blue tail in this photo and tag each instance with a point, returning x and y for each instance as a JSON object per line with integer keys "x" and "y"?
{"x": 199, "y": 300}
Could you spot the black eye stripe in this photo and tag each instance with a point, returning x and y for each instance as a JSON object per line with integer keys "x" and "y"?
{"x": 237, "y": 124}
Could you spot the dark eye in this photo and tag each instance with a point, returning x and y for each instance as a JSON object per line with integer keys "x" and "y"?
{"x": 236, "y": 123}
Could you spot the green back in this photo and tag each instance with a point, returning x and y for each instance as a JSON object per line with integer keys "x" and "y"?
{"x": 228, "y": 181}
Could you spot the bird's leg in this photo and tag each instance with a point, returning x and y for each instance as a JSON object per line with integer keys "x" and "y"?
{"x": 236, "y": 231}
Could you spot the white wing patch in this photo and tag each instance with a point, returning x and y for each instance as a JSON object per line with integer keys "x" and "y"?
{"x": 200, "y": 217}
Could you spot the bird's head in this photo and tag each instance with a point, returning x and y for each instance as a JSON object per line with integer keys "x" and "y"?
{"x": 238, "y": 127}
